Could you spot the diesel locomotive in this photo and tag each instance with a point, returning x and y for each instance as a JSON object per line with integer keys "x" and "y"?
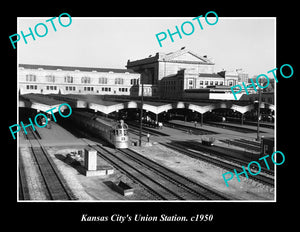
{"x": 115, "y": 133}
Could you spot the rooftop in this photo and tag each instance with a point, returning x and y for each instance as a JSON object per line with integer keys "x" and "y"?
{"x": 176, "y": 56}
{"x": 210, "y": 75}
{"x": 72, "y": 68}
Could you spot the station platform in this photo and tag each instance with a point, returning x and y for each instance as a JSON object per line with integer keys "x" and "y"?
{"x": 227, "y": 133}
{"x": 251, "y": 127}
{"x": 55, "y": 136}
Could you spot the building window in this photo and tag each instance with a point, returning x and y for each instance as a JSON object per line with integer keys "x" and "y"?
{"x": 30, "y": 77}
{"x": 50, "y": 78}
{"x": 190, "y": 84}
{"x": 201, "y": 82}
{"x": 104, "y": 89}
{"x": 122, "y": 89}
{"x": 211, "y": 83}
{"x": 119, "y": 81}
{"x": 31, "y": 86}
{"x": 102, "y": 80}
{"x": 216, "y": 83}
{"x": 206, "y": 82}
{"x": 134, "y": 81}
{"x": 69, "y": 88}
{"x": 221, "y": 82}
{"x": 68, "y": 79}
{"x": 85, "y": 80}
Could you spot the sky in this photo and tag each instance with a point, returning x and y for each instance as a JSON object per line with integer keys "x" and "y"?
{"x": 232, "y": 43}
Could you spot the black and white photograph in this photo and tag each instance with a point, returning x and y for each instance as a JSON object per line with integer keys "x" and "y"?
{"x": 117, "y": 120}
{"x": 151, "y": 119}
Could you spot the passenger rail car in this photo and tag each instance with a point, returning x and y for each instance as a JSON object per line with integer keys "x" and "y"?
{"x": 116, "y": 133}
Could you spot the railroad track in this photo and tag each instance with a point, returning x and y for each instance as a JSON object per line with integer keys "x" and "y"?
{"x": 180, "y": 180}
{"x": 222, "y": 152}
{"x": 32, "y": 135}
{"x": 160, "y": 181}
{"x": 185, "y": 128}
{"x": 136, "y": 132}
{"x": 23, "y": 186}
{"x": 134, "y": 126}
{"x": 254, "y": 143}
{"x": 231, "y": 127}
{"x": 242, "y": 144}
{"x": 56, "y": 187}
{"x": 218, "y": 162}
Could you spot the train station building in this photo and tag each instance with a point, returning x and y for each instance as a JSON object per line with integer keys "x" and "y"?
{"x": 175, "y": 74}
{"x": 48, "y": 79}
{"x": 181, "y": 74}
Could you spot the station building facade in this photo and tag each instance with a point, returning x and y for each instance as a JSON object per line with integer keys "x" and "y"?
{"x": 181, "y": 74}
{"x": 175, "y": 74}
{"x": 47, "y": 79}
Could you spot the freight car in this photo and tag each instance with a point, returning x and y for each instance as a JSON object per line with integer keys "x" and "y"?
{"x": 115, "y": 133}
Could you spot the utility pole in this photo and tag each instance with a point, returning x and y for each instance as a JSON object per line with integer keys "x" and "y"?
{"x": 141, "y": 113}
{"x": 242, "y": 119}
{"x": 258, "y": 113}
{"x": 202, "y": 119}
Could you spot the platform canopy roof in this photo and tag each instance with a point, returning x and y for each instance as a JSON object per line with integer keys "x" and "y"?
{"x": 39, "y": 102}
{"x": 97, "y": 103}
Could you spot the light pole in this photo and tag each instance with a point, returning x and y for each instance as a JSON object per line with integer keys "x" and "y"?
{"x": 258, "y": 113}
{"x": 141, "y": 113}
